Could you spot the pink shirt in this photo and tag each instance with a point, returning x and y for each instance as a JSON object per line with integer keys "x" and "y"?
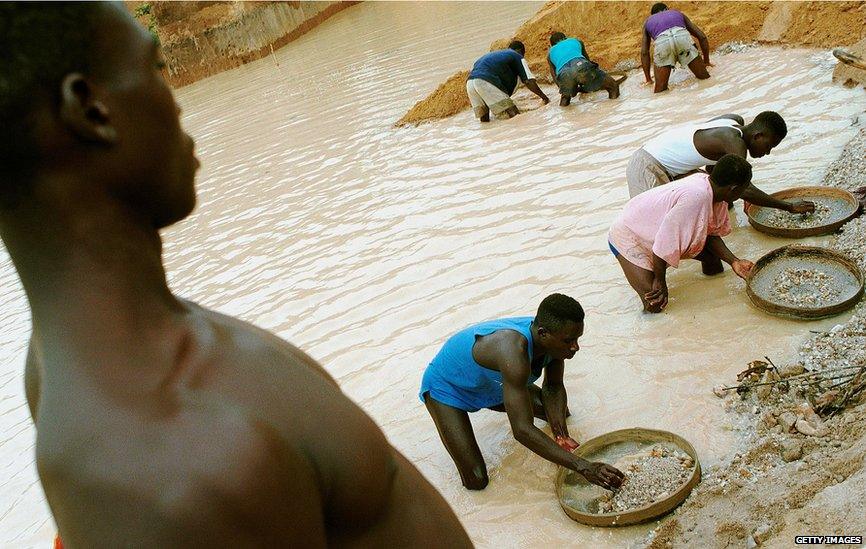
{"x": 671, "y": 221}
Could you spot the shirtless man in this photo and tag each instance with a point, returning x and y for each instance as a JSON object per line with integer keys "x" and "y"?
{"x": 495, "y": 365}
{"x": 161, "y": 423}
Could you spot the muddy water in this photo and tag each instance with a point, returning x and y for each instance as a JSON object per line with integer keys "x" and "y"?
{"x": 368, "y": 245}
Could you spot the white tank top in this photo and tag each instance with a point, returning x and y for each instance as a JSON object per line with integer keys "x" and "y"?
{"x": 675, "y": 149}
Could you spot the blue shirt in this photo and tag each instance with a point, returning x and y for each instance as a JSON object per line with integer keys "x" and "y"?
{"x": 454, "y": 378}
{"x": 564, "y": 51}
{"x": 501, "y": 68}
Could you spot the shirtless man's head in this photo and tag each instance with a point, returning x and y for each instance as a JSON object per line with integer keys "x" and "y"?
{"x": 161, "y": 423}
{"x": 560, "y": 325}
{"x": 87, "y": 99}
{"x": 764, "y": 133}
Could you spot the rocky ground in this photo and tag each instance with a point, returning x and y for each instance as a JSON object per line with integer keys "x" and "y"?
{"x": 802, "y": 470}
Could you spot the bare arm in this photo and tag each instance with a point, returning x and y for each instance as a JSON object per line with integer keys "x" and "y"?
{"x": 514, "y": 366}
{"x": 554, "y": 398}
{"x": 645, "y": 55}
{"x": 756, "y": 196}
{"x": 701, "y": 37}
{"x": 552, "y": 70}
{"x": 657, "y": 297}
{"x": 722, "y": 141}
{"x": 532, "y": 85}
{"x": 721, "y": 147}
{"x": 718, "y": 248}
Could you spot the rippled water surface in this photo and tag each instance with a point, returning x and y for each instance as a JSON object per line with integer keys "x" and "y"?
{"x": 368, "y": 245}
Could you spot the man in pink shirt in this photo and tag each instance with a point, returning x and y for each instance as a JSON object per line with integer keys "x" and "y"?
{"x": 681, "y": 220}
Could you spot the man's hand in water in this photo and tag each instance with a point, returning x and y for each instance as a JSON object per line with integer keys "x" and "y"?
{"x": 742, "y": 267}
{"x": 567, "y": 443}
{"x": 602, "y": 474}
{"x": 657, "y": 297}
{"x": 802, "y": 206}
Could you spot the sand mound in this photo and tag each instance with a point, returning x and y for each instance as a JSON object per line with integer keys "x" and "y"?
{"x": 447, "y": 100}
{"x": 612, "y": 34}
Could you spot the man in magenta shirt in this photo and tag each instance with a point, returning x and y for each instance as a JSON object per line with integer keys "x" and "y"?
{"x": 682, "y": 220}
{"x": 672, "y": 32}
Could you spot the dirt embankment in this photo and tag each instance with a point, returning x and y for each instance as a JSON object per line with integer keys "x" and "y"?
{"x": 200, "y": 39}
{"x": 611, "y": 32}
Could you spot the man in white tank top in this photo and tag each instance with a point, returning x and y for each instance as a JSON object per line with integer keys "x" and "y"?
{"x": 686, "y": 149}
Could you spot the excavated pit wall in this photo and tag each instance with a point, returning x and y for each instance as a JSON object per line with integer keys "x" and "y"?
{"x": 200, "y": 39}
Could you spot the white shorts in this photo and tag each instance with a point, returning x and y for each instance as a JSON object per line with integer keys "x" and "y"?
{"x": 674, "y": 45}
{"x": 483, "y": 95}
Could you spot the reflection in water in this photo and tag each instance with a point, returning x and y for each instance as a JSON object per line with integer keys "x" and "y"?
{"x": 368, "y": 245}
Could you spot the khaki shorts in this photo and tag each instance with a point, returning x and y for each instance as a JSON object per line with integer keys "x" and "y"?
{"x": 674, "y": 45}
{"x": 483, "y": 95}
{"x": 644, "y": 172}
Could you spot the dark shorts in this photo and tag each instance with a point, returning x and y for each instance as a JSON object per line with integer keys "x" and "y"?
{"x": 579, "y": 75}
{"x": 613, "y": 250}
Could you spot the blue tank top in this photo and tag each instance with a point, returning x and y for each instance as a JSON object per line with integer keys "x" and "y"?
{"x": 454, "y": 378}
{"x": 564, "y": 51}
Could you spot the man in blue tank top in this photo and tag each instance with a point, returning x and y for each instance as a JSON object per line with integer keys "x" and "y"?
{"x": 574, "y": 72}
{"x": 494, "y": 365}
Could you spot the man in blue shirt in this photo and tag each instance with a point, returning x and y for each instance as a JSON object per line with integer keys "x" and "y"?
{"x": 574, "y": 72}
{"x": 495, "y": 77}
{"x": 494, "y": 365}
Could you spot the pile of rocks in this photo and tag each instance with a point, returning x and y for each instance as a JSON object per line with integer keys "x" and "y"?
{"x": 648, "y": 479}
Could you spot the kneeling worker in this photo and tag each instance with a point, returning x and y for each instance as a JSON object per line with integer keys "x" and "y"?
{"x": 494, "y": 79}
{"x": 495, "y": 365}
{"x": 574, "y": 72}
{"x": 682, "y": 220}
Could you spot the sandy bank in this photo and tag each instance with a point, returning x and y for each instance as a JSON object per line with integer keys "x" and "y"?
{"x": 612, "y": 33}
{"x": 200, "y": 39}
{"x": 792, "y": 479}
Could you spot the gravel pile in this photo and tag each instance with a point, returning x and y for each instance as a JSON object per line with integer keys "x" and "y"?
{"x": 822, "y": 215}
{"x": 799, "y": 287}
{"x": 735, "y": 47}
{"x": 849, "y": 170}
{"x": 852, "y": 240}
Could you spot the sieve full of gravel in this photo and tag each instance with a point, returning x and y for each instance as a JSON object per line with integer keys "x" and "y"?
{"x": 823, "y": 215}
{"x": 804, "y": 287}
{"x": 648, "y": 478}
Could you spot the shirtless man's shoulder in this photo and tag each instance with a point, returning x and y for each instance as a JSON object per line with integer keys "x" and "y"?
{"x": 246, "y": 426}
